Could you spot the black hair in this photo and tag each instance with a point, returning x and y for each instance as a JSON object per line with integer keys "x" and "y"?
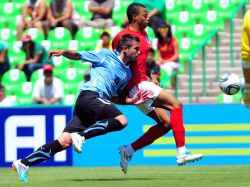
{"x": 31, "y": 48}
{"x": 126, "y": 40}
{"x": 105, "y": 33}
{"x": 132, "y": 10}
{"x": 170, "y": 35}
{"x": 151, "y": 50}
{"x": 1, "y": 87}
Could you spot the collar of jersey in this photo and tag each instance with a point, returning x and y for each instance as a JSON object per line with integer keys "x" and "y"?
{"x": 118, "y": 56}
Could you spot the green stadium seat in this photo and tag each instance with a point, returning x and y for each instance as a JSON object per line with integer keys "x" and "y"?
{"x": 184, "y": 3}
{"x": 36, "y": 34}
{"x": 46, "y": 44}
{"x": 36, "y": 75}
{"x": 24, "y": 94}
{"x": 185, "y": 47}
{"x": 210, "y": 2}
{"x": 60, "y": 66}
{"x": 71, "y": 81}
{"x": 224, "y": 8}
{"x": 69, "y": 99}
{"x": 184, "y": 23}
{"x": 8, "y": 34}
{"x": 165, "y": 81}
{"x": 81, "y": 8}
{"x": 16, "y": 55}
{"x": 172, "y": 10}
{"x": 212, "y": 21}
{"x": 197, "y": 9}
{"x": 198, "y": 34}
{"x": 16, "y": 58}
{"x": 237, "y": 2}
{"x": 9, "y": 9}
{"x": 87, "y": 38}
{"x": 73, "y": 45}
{"x": 119, "y": 12}
{"x": 12, "y": 79}
{"x": 9, "y": 22}
{"x": 59, "y": 38}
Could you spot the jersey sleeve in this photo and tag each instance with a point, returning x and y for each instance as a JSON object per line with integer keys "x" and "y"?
{"x": 94, "y": 57}
{"x": 116, "y": 41}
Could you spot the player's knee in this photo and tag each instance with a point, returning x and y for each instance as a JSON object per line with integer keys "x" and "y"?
{"x": 123, "y": 120}
{"x": 165, "y": 126}
{"x": 177, "y": 104}
{"x": 65, "y": 140}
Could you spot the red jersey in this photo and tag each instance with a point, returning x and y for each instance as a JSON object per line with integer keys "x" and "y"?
{"x": 138, "y": 68}
{"x": 166, "y": 50}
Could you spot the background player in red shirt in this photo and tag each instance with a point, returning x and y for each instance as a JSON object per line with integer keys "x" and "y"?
{"x": 160, "y": 99}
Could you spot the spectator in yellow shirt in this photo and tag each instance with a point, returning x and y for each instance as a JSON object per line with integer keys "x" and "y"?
{"x": 245, "y": 56}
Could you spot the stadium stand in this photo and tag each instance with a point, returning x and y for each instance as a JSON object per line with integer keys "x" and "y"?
{"x": 59, "y": 38}
{"x": 12, "y": 79}
{"x": 24, "y": 94}
{"x": 197, "y": 19}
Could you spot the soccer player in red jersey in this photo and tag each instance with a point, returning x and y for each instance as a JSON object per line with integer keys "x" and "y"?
{"x": 160, "y": 100}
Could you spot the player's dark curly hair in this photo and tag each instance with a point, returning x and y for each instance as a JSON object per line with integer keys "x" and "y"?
{"x": 126, "y": 40}
{"x": 133, "y": 9}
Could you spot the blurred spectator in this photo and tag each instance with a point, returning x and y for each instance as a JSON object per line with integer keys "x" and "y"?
{"x": 168, "y": 50}
{"x": 60, "y": 14}
{"x": 105, "y": 41}
{"x": 33, "y": 15}
{"x": 4, "y": 60}
{"x": 156, "y": 12}
{"x": 152, "y": 68}
{"x": 48, "y": 89}
{"x": 102, "y": 14}
{"x": 36, "y": 56}
{"x": 6, "y": 100}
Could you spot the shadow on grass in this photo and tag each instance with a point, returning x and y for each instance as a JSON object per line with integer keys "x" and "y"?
{"x": 113, "y": 179}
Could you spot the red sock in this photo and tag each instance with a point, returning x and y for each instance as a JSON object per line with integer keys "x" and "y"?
{"x": 176, "y": 120}
{"x": 150, "y": 136}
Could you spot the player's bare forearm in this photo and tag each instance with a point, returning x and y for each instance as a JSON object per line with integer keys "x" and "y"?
{"x": 70, "y": 54}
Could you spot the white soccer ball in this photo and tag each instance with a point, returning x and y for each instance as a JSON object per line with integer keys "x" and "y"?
{"x": 230, "y": 83}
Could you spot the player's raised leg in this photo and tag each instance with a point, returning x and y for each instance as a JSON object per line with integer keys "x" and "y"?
{"x": 21, "y": 169}
{"x": 43, "y": 153}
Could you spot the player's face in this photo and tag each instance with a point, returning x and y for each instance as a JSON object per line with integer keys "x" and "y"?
{"x": 142, "y": 18}
{"x": 133, "y": 52}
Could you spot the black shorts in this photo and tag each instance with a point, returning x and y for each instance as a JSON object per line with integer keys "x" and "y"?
{"x": 89, "y": 109}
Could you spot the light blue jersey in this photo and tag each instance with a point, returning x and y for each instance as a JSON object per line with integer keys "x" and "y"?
{"x": 109, "y": 75}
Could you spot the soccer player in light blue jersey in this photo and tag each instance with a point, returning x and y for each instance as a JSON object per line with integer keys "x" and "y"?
{"x": 94, "y": 114}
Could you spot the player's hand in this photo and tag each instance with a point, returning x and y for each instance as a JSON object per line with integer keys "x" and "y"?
{"x": 139, "y": 98}
{"x": 55, "y": 53}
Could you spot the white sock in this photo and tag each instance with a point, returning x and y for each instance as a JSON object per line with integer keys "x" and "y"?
{"x": 181, "y": 150}
{"x": 130, "y": 150}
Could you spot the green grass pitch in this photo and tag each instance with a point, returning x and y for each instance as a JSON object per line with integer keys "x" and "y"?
{"x": 145, "y": 176}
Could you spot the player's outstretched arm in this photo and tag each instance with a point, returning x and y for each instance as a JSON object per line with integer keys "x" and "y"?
{"x": 70, "y": 54}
